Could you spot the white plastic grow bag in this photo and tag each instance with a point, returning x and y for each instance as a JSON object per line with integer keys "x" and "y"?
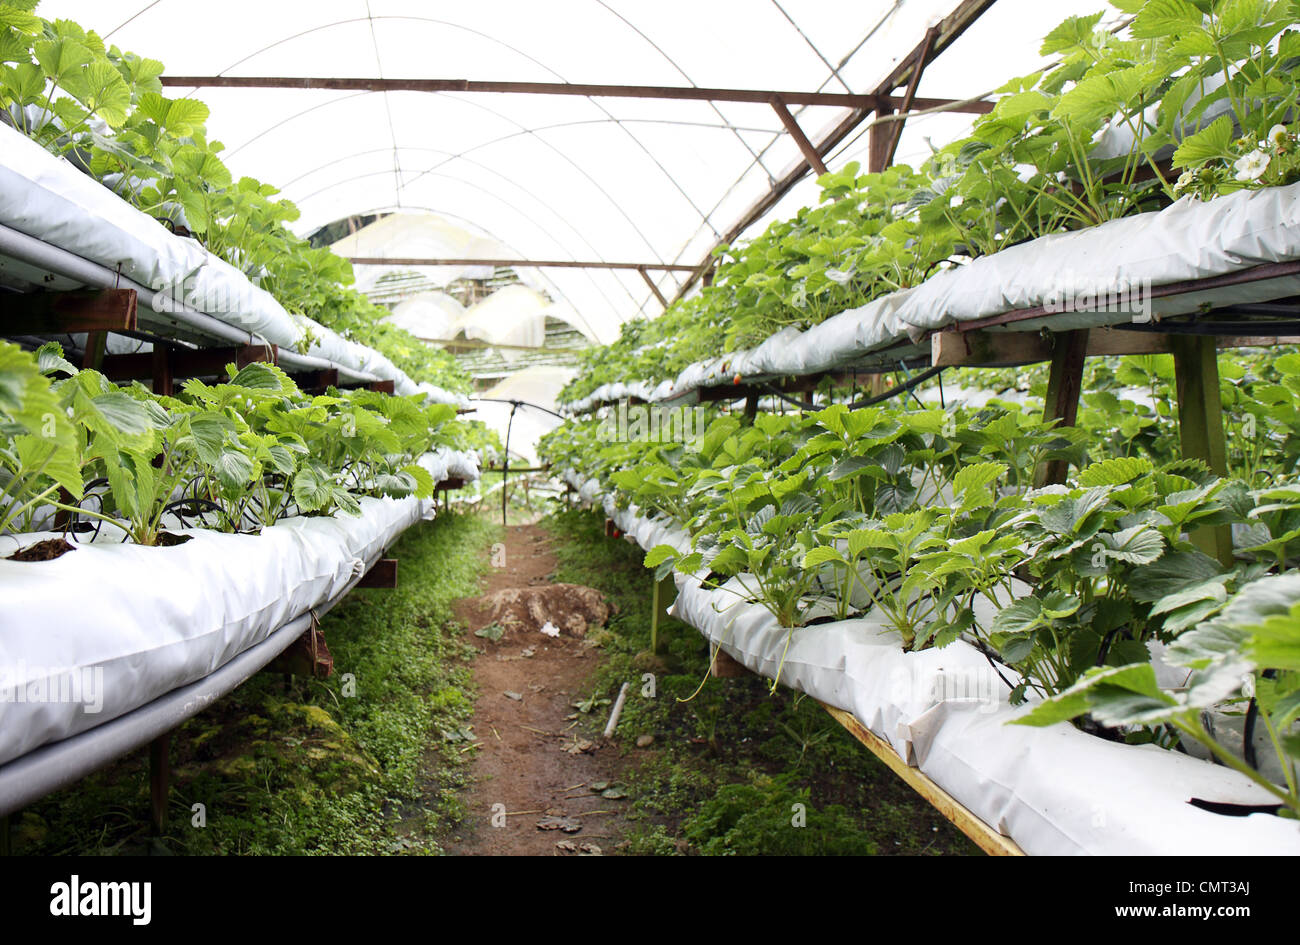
{"x": 109, "y": 627}
{"x": 1053, "y": 790}
{"x": 1189, "y": 240}
{"x": 45, "y": 197}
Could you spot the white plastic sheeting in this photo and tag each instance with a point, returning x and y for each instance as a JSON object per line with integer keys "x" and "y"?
{"x": 428, "y": 315}
{"x": 1121, "y": 260}
{"x": 561, "y": 177}
{"x": 1055, "y": 790}
{"x": 47, "y": 198}
{"x": 535, "y": 387}
{"x": 126, "y": 623}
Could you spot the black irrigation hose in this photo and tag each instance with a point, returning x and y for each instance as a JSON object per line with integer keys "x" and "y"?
{"x": 1229, "y": 329}
{"x": 519, "y": 403}
{"x": 906, "y": 387}
{"x": 1248, "y": 753}
{"x": 903, "y": 388}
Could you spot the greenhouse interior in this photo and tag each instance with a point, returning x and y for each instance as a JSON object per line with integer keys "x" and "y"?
{"x": 756, "y": 427}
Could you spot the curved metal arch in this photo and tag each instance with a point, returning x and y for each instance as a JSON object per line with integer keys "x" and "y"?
{"x": 494, "y": 196}
{"x": 683, "y": 73}
{"x": 894, "y": 7}
{"x": 524, "y": 190}
{"x": 521, "y": 188}
{"x": 537, "y": 62}
{"x": 473, "y": 225}
{"x": 486, "y": 232}
{"x": 811, "y": 45}
{"x": 508, "y": 120}
{"x": 516, "y": 134}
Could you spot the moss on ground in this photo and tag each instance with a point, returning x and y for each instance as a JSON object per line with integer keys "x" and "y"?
{"x": 733, "y": 767}
{"x": 302, "y": 767}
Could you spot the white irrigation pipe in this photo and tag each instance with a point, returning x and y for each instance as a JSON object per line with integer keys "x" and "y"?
{"x": 618, "y": 710}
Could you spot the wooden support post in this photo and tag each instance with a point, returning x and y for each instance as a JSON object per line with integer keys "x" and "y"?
{"x": 315, "y": 382}
{"x": 57, "y": 313}
{"x": 159, "y": 778}
{"x": 724, "y": 667}
{"x": 382, "y": 574}
{"x": 751, "y": 408}
{"x": 1064, "y": 384}
{"x": 6, "y": 841}
{"x": 988, "y": 839}
{"x": 93, "y": 356}
{"x": 382, "y": 387}
{"x": 1200, "y": 426}
{"x": 657, "y": 607}
{"x": 162, "y": 369}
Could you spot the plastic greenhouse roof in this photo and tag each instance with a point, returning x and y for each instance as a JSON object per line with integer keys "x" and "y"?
{"x": 560, "y": 177}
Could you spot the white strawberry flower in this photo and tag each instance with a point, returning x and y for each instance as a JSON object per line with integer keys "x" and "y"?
{"x": 1251, "y": 166}
{"x": 956, "y": 201}
{"x": 1278, "y": 136}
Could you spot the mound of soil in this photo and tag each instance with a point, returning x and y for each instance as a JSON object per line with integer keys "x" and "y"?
{"x": 46, "y": 550}
{"x": 573, "y": 608}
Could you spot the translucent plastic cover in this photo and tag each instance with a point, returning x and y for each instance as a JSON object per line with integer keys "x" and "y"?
{"x": 560, "y": 177}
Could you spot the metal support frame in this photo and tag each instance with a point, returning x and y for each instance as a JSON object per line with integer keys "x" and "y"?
{"x": 653, "y": 287}
{"x": 792, "y": 127}
{"x": 885, "y": 136}
{"x": 869, "y": 101}
{"x": 947, "y": 31}
{"x": 501, "y": 263}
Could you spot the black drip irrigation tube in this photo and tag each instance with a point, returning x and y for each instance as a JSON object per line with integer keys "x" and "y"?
{"x": 906, "y": 387}
{"x": 505, "y": 463}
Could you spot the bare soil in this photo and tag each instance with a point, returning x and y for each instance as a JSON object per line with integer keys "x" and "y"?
{"x": 536, "y": 764}
{"x": 46, "y": 550}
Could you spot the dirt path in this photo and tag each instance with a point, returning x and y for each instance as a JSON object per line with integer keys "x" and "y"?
{"x": 532, "y": 764}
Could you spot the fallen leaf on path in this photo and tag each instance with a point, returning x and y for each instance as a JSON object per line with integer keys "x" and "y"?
{"x": 559, "y": 823}
{"x": 492, "y": 631}
{"x": 580, "y": 746}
